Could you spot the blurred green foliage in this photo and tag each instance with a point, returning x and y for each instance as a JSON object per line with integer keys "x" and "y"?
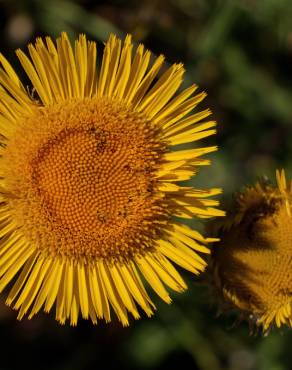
{"x": 240, "y": 52}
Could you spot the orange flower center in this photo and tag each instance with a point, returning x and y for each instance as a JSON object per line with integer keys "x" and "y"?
{"x": 88, "y": 182}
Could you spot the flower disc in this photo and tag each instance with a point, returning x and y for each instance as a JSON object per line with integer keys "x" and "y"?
{"x": 85, "y": 186}
{"x": 90, "y": 183}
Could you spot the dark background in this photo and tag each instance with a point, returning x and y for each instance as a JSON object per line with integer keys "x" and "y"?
{"x": 240, "y": 52}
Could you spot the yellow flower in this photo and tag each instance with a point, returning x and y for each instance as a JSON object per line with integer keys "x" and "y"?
{"x": 252, "y": 264}
{"x": 90, "y": 182}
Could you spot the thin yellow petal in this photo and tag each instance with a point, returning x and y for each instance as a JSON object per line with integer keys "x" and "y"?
{"x": 15, "y": 266}
{"x": 31, "y": 72}
{"x": 135, "y": 288}
{"x": 111, "y": 293}
{"x": 188, "y": 153}
{"x": 53, "y": 284}
{"x": 82, "y": 290}
{"x": 164, "y": 275}
{"x": 153, "y": 279}
{"x": 68, "y": 292}
{"x": 178, "y": 256}
{"x": 123, "y": 291}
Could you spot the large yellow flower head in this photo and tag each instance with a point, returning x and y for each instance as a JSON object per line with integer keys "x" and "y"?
{"x": 252, "y": 265}
{"x": 90, "y": 184}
